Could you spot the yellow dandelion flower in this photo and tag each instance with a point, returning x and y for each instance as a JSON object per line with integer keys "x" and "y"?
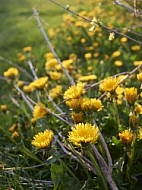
{"x": 28, "y": 88}
{"x": 83, "y": 40}
{"x": 49, "y": 56}
{"x": 40, "y": 83}
{"x": 96, "y": 54}
{"x": 86, "y": 104}
{"x": 69, "y": 38}
{"x": 126, "y": 136}
{"x": 96, "y": 104}
{"x": 13, "y": 127}
{"x": 109, "y": 84}
{"x": 54, "y": 75}
{"x": 55, "y": 92}
{"x": 27, "y": 49}
{"x": 133, "y": 121}
{"x": 20, "y": 83}
{"x": 51, "y": 64}
{"x": 15, "y": 134}
{"x": 22, "y": 58}
{"x": 73, "y": 56}
{"x": 138, "y": 108}
{"x": 87, "y": 78}
{"x": 74, "y": 92}
{"x": 92, "y": 104}
{"x": 11, "y": 72}
{"x": 40, "y": 111}
{"x": 140, "y": 134}
{"x": 88, "y": 56}
{"x": 74, "y": 104}
{"x": 3, "y": 107}
{"x": 135, "y": 47}
{"x": 123, "y": 39}
{"x": 116, "y": 54}
{"x": 77, "y": 117}
{"x": 83, "y": 134}
{"x": 119, "y": 90}
{"x": 139, "y": 77}
{"x": 131, "y": 95}
{"x": 43, "y": 139}
{"x": 137, "y": 63}
{"x": 118, "y": 63}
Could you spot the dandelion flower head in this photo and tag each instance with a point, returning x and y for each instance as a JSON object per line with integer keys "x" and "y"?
{"x": 40, "y": 83}
{"x": 131, "y": 95}
{"x": 43, "y": 139}
{"x": 40, "y": 111}
{"x": 109, "y": 84}
{"x": 126, "y": 136}
{"x": 83, "y": 134}
{"x": 74, "y": 91}
{"x": 11, "y": 72}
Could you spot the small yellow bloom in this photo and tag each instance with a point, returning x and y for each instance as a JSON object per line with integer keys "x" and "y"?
{"x": 40, "y": 83}
{"x": 54, "y": 75}
{"x": 43, "y": 139}
{"x": 139, "y": 77}
{"x": 96, "y": 104}
{"x": 83, "y": 40}
{"x": 138, "y": 108}
{"x": 28, "y": 88}
{"x": 131, "y": 95}
{"x": 55, "y": 92}
{"x": 123, "y": 39}
{"x": 40, "y": 111}
{"x": 74, "y": 104}
{"x": 20, "y": 83}
{"x": 77, "y": 117}
{"x": 27, "y": 49}
{"x": 11, "y": 72}
{"x": 126, "y": 136}
{"x": 13, "y": 127}
{"x": 49, "y": 56}
{"x": 88, "y": 56}
{"x": 118, "y": 63}
{"x": 135, "y": 47}
{"x": 51, "y": 64}
{"x": 109, "y": 84}
{"x": 3, "y": 107}
{"x": 137, "y": 63}
{"x": 15, "y": 134}
{"x": 116, "y": 54}
{"x": 83, "y": 134}
{"x": 87, "y": 78}
{"x": 91, "y": 104}
{"x": 74, "y": 92}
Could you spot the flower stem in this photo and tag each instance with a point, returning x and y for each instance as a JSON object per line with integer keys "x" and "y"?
{"x": 98, "y": 170}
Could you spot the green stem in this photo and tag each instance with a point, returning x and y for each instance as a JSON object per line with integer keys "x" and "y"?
{"x": 98, "y": 169}
{"x": 67, "y": 168}
{"x": 81, "y": 162}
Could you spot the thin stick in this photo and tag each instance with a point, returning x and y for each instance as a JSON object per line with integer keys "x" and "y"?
{"x": 51, "y": 48}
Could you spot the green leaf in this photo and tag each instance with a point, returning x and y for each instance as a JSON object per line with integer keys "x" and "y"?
{"x": 29, "y": 154}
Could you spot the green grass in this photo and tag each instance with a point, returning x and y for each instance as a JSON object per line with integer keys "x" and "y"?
{"x": 19, "y": 27}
